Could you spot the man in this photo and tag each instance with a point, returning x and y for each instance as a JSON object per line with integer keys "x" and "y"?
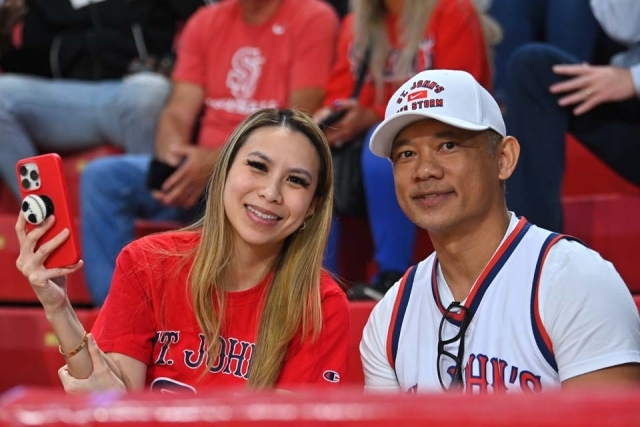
{"x": 234, "y": 58}
{"x": 552, "y": 92}
{"x": 501, "y": 305}
{"x": 70, "y": 82}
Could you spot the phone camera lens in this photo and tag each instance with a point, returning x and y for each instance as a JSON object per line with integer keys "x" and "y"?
{"x": 26, "y": 184}
{"x": 23, "y": 171}
{"x": 34, "y": 175}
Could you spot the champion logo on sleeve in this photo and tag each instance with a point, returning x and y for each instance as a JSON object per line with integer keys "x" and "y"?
{"x": 331, "y": 376}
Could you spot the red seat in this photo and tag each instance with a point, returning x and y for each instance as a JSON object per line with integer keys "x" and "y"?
{"x": 75, "y": 163}
{"x": 608, "y": 224}
{"x": 8, "y": 203}
{"x": 360, "y": 312}
{"x": 586, "y": 174}
{"x": 29, "y": 349}
{"x": 601, "y": 208}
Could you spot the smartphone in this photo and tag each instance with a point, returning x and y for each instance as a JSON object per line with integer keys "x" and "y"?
{"x": 44, "y": 193}
{"x": 158, "y": 174}
{"x": 332, "y": 118}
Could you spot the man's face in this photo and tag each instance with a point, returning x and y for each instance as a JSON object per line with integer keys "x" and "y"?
{"x": 445, "y": 176}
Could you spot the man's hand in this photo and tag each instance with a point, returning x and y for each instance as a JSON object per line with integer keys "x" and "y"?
{"x": 590, "y": 86}
{"x": 170, "y": 155}
{"x": 185, "y": 186}
{"x": 356, "y": 121}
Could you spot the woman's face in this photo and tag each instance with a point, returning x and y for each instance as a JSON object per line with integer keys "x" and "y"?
{"x": 445, "y": 177}
{"x": 270, "y": 187}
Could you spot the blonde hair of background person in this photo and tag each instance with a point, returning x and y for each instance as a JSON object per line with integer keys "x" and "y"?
{"x": 295, "y": 297}
{"x": 370, "y": 30}
{"x": 490, "y": 28}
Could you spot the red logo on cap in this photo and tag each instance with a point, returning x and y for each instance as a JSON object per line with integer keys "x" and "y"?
{"x": 421, "y": 94}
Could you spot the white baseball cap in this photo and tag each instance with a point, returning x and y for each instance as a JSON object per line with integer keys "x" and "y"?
{"x": 449, "y": 96}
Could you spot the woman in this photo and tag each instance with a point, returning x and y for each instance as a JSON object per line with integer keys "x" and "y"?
{"x": 405, "y": 37}
{"x": 238, "y": 298}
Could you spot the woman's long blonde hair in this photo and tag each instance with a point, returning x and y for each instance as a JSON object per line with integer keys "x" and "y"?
{"x": 293, "y": 298}
{"x": 370, "y": 30}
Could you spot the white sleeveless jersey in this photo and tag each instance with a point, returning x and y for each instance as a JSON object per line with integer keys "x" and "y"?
{"x": 506, "y": 347}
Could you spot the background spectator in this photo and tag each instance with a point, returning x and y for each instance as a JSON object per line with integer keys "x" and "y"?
{"x": 234, "y": 58}
{"x": 87, "y": 47}
{"x": 553, "y": 92}
{"x": 406, "y": 36}
{"x": 567, "y": 24}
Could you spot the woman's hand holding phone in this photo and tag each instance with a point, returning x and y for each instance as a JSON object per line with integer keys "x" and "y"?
{"x": 49, "y": 284}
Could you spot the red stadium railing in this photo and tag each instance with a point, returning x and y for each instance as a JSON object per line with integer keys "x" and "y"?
{"x": 319, "y": 408}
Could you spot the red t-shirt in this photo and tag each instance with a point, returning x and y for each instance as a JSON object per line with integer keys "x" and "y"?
{"x": 244, "y": 67}
{"x": 452, "y": 40}
{"x": 148, "y": 316}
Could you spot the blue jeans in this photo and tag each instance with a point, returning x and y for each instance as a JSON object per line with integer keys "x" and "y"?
{"x": 611, "y": 131}
{"x": 42, "y": 115}
{"x": 567, "y": 24}
{"x": 393, "y": 233}
{"x": 113, "y": 194}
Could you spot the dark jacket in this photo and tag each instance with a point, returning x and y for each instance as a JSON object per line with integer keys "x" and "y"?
{"x": 98, "y": 41}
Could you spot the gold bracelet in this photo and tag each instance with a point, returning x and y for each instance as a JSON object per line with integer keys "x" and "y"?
{"x": 76, "y": 350}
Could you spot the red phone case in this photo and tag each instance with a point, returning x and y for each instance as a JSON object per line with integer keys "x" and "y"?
{"x": 52, "y": 184}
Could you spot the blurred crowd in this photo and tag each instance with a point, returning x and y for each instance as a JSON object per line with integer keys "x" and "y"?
{"x": 167, "y": 81}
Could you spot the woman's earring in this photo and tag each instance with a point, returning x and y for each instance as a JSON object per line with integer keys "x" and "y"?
{"x": 303, "y": 226}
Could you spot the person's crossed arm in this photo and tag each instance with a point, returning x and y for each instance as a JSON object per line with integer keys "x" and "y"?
{"x": 185, "y": 186}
